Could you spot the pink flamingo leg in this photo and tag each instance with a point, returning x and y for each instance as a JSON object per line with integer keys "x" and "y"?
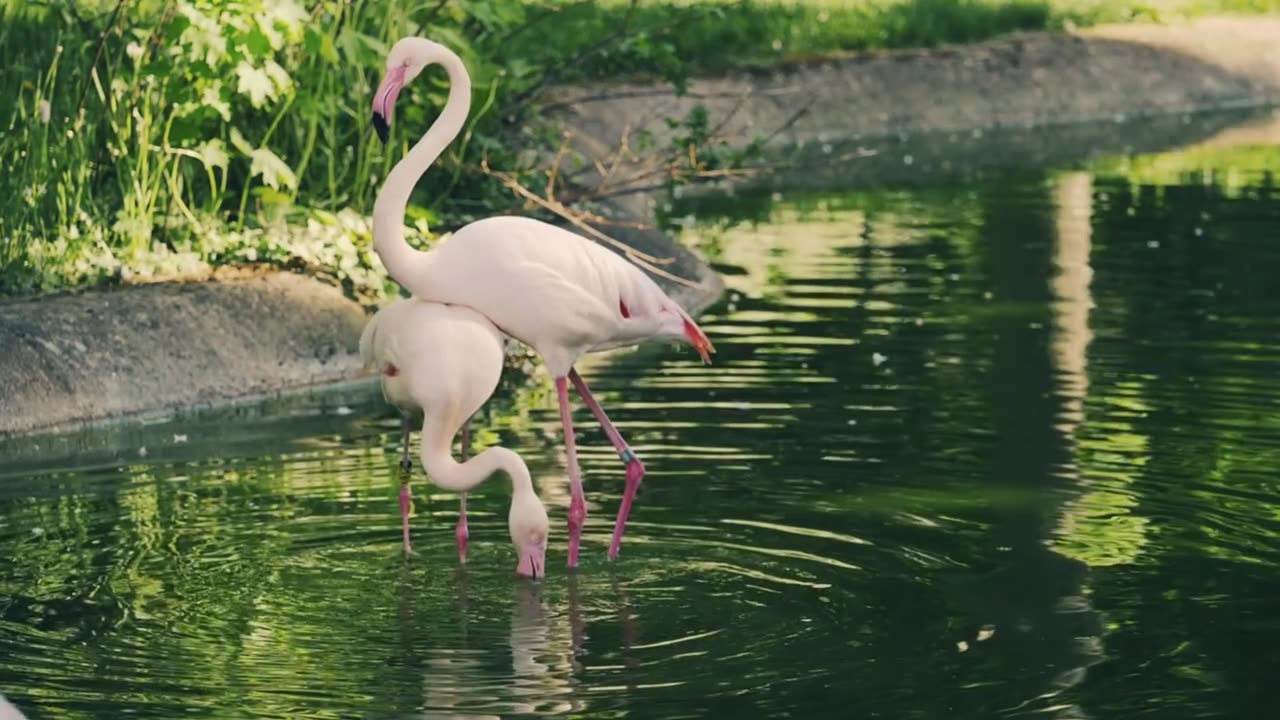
{"x": 460, "y": 533}
{"x": 635, "y": 468}
{"x": 406, "y": 468}
{"x": 577, "y": 503}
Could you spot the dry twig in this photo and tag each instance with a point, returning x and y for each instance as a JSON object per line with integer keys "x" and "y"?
{"x": 644, "y": 260}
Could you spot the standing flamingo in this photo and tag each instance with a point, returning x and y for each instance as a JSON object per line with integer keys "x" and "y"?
{"x": 9, "y": 712}
{"x": 553, "y": 290}
{"x": 445, "y": 361}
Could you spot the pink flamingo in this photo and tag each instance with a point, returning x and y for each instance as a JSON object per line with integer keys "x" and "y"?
{"x": 445, "y": 361}
{"x": 555, "y": 291}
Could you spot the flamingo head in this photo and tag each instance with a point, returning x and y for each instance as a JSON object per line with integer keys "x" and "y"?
{"x": 408, "y": 57}
{"x": 529, "y": 530}
{"x": 675, "y": 323}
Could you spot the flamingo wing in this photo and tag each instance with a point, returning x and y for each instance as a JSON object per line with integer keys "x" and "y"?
{"x": 579, "y": 318}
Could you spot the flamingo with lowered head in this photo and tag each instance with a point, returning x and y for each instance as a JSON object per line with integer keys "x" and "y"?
{"x": 556, "y": 291}
{"x": 445, "y": 361}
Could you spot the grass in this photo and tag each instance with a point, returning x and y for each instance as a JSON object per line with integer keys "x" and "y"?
{"x": 715, "y": 35}
{"x": 208, "y": 132}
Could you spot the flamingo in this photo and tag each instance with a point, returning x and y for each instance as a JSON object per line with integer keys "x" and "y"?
{"x": 9, "y": 712}
{"x": 445, "y": 361}
{"x": 557, "y": 292}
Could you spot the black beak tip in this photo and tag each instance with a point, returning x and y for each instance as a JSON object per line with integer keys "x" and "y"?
{"x": 381, "y": 127}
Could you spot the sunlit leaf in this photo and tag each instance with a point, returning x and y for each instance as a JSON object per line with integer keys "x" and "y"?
{"x": 240, "y": 143}
{"x": 271, "y": 196}
{"x": 214, "y": 153}
{"x": 255, "y": 84}
{"x": 279, "y": 76}
{"x": 274, "y": 171}
{"x": 287, "y": 15}
{"x": 213, "y": 99}
{"x": 202, "y": 39}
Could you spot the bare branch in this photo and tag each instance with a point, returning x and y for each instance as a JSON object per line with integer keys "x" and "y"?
{"x": 790, "y": 121}
{"x": 97, "y": 54}
{"x": 553, "y": 76}
{"x": 555, "y": 166}
{"x": 644, "y": 260}
{"x": 547, "y": 11}
{"x": 431, "y": 15}
{"x": 559, "y": 209}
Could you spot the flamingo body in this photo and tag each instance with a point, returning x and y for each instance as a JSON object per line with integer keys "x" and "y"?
{"x": 445, "y": 361}
{"x": 433, "y": 355}
{"x": 554, "y": 290}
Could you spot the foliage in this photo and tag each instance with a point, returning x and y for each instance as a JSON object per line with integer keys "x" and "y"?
{"x": 175, "y": 142}
{"x": 148, "y": 138}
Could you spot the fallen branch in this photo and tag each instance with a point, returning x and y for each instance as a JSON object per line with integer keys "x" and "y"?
{"x": 644, "y": 260}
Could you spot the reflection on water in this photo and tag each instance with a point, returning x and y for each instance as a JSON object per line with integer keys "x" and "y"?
{"x": 1005, "y": 449}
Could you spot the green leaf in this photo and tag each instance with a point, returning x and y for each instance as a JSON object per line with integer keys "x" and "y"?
{"x": 261, "y": 41}
{"x": 271, "y": 196}
{"x": 327, "y": 51}
{"x": 321, "y": 45}
{"x": 413, "y": 212}
{"x": 455, "y": 41}
{"x": 372, "y": 45}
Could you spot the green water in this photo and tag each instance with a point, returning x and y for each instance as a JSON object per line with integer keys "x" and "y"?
{"x": 1004, "y": 449}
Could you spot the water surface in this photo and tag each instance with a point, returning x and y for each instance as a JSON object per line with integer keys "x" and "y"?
{"x": 1006, "y": 448}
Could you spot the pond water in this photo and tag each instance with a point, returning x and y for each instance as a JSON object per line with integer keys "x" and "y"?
{"x": 1001, "y": 448}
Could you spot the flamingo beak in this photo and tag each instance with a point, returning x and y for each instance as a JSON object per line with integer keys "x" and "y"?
{"x": 699, "y": 341}
{"x": 532, "y": 561}
{"x": 384, "y": 101}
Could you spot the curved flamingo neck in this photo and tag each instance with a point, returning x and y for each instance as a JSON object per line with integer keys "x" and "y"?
{"x": 437, "y": 459}
{"x": 404, "y": 263}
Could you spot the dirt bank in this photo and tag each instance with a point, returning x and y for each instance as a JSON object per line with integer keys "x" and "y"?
{"x": 1021, "y": 81}
{"x": 72, "y": 358}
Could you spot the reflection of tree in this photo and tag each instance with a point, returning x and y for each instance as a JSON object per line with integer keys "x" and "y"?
{"x": 264, "y": 586}
{"x": 1097, "y": 527}
{"x": 961, "y": 417}
{"x": 1190, "y": 303}
{"x": 1025, "y": 236}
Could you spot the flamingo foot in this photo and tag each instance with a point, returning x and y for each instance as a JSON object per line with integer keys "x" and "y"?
{"x": 461, "y": 535}
{"x": 577, "y": 518}
{"x": 405, "y": 503}
{"x": 635, "y": 474}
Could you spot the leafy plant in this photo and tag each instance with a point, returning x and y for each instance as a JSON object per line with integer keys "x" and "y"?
{"x": 156, "y": 137}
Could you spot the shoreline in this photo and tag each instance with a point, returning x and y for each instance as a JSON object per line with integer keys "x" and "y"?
{"x": 97, "y": 356}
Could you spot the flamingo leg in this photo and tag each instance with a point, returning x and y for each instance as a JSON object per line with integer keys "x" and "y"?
{"x": 406, "y": 468}
{"x": 635, "y": 468}
{"x": 577, "y": 503}
{"x": 460, "y": 532}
